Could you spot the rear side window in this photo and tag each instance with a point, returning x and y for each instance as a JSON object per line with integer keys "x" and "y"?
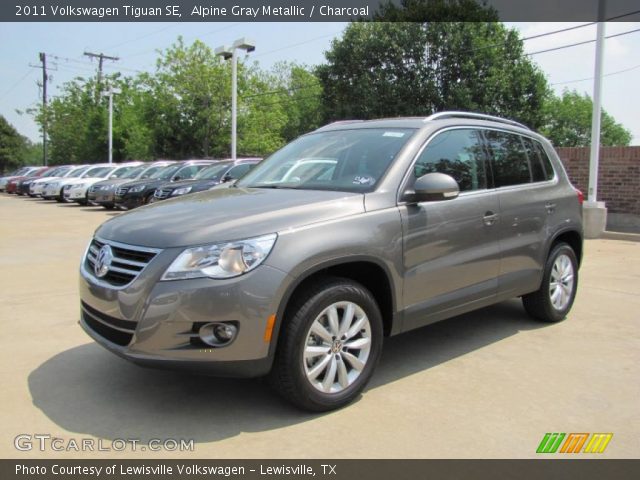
{"x": 537, "y": 169}
{"x": 510, "y": 163}
{"x": 548, "y": 168}
{"x": 458, "y": 153}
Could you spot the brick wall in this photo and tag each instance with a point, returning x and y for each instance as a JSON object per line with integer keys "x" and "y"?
{"x": 618, "y": 175}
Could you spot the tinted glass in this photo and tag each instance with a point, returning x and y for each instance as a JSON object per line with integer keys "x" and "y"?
{"x": 510, "y": 161}
{"x": 213, "y": 172}
{"x": 458, "y": 153}
{"x": 97, "y": 172}
{"x": 166, "y": 173}
{"x": 239, "y": 170}
{"x": 122, "y": 172}
{"x": 189, "y": 171}
{"x": 537, "y": 170}
{"x": 548, "y": 168}
{"x": 344, "y": 160}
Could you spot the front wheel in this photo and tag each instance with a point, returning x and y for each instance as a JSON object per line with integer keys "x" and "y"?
{"x": 329, "y": 347}
{"x": 554, "y": 299}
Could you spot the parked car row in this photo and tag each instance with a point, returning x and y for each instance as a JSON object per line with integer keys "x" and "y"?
{"x": 124, "y": 185}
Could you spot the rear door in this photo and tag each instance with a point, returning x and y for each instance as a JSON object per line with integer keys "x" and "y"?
{"x": 451, "y": 255}
{"x": 524, "y": 193}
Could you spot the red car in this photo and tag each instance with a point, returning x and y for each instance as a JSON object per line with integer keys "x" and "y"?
{"x": 12, "y": 185}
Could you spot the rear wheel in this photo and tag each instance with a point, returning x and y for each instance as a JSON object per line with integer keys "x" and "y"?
{"x": 554, "y": 299}
{"x": 329, "y": 347}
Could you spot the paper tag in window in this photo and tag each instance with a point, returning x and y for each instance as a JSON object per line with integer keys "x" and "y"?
{"x": 393, "y": 134}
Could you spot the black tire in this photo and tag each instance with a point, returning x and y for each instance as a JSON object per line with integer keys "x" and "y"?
{"x": 288, "y": 375}
{"x": 147, "y": 199}
{"x": 538, "y": 304}
{"x": 109, "y": 207}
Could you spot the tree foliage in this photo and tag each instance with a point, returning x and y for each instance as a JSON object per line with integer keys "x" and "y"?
{"x": 389, "y": 69}
{"x": 15, "y": 150}
{"x": 182, "y": 110}
{"x": 568, "y": 122}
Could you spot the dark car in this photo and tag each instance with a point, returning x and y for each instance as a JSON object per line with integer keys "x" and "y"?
{"x": 134, "y": 194}
{"x": 221, "y": 172}
{"x": 103, "y": 193}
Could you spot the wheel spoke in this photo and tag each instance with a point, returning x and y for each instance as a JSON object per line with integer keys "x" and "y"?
{"x": 357, "y": 326}
{"x": 319, "y": 367}
{"x": 347, "y": 318}
{"x": 330, "y": 376}
{"x": 334, "y": 323}
{"x": 343, "y": 376}
{"x": 358, "y": 344}
{"x": 318, "y": 330}
{"x": 312, "y": 351}
{"x": 355, "y": 362}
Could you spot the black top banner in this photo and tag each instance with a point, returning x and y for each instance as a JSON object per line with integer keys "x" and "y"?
{"x": 315, "y": 10}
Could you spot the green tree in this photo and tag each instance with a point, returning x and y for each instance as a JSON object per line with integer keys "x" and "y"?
{"x": 391, "y": 69}
{"x": 14, "y": 148}
{"x": 568, "y": 122}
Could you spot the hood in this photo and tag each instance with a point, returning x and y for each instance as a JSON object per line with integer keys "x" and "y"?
{"x": 113, "y": 181}
{"x": 146, "y": 181}
{"x": 227, "y": 214}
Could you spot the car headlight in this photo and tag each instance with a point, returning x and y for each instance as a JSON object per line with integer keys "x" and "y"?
{"x": 221, "y": 260}
{"x": 137, "y": 188}
{"x": 68, "y": 186}
{"x": 181, "y": 191}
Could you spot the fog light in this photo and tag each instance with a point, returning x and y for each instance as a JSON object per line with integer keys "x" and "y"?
{"x": 218, "y": 334}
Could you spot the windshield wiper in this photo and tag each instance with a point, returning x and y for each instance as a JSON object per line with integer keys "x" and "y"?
{"x": 272, "y": 187}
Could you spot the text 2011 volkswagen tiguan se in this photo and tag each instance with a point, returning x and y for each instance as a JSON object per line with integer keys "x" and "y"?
{"x": 391, "y": 225}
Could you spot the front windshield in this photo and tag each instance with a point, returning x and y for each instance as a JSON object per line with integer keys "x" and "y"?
{"x": 55, "y": 172}
{"x": 76, "y": 172}
{"x": 134, "y": 172}
{"x": 122, "y": 172}
{"x": 343, "y": 160}
{"x": 166, "y": 173}
{"x": 212, "y": 172}
{"x": 97, "y": 172}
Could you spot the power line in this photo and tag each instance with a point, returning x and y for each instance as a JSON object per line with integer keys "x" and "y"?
{"x": 591, "y": 78}
{"x": 10, "y": 89}
{"x": 295, "y": 44}
{"x": 581, "y": 43}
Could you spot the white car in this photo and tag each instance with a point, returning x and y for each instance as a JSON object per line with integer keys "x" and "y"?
{"x": 36, "y": 186}
{"x": 52, "y": 190}
{"x": 76, "y": 190}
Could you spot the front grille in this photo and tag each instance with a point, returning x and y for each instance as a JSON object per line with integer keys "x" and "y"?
{"x": 121, "y": 191}
{"x": 163, "y": 193}
{"x": 128, "y": 261}
{"x": 113, "y": 329}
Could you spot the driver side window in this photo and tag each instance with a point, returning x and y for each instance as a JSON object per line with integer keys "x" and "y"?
{"x": 458, "y": 153}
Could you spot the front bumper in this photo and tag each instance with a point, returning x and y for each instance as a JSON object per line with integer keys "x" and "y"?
{"x": 75, "y": 194}
{"x": 129, "y": 200}
{"x": 102, "y": 197}
{"x": 155, "y": 323}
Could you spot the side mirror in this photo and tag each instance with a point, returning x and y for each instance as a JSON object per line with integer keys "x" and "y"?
{"x": 226, "y": 178}
{"x": 176, "y": 179}
{"x": 434, "y": 187}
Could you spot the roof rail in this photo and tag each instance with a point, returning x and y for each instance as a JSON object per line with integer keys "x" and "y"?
{"x": 477, "y": 116}
{"x": 338, "y": 122}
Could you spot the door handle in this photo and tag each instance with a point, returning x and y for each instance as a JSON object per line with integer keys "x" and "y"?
{"x": 489, "y": 218}
{"x": 551, "y": 207}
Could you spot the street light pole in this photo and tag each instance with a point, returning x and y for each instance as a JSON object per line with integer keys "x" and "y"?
{"x": 234, "y": 103}
{"x": 110, "y": 94}
{"x": 232, "y": 53}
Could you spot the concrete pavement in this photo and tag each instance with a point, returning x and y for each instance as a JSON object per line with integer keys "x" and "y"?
{"x": 484, "y": 385}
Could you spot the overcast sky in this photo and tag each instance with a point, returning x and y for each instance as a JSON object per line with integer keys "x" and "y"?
{"x": 136, "y": 43}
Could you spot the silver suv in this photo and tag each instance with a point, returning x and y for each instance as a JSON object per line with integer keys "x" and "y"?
{"x": 351, "y": 233}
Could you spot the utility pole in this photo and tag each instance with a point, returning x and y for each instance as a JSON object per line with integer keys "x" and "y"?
{"x": 45, "y": 77}
{"x": 100, "y": 57}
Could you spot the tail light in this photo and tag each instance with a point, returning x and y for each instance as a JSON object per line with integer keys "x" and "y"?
{"x": 580, "y": 196}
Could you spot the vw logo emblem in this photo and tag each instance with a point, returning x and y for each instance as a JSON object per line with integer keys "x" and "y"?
{"x": 103, "y": 262}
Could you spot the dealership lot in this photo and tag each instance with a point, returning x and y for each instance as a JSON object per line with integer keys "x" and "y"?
{"x": 488, "y": 384}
